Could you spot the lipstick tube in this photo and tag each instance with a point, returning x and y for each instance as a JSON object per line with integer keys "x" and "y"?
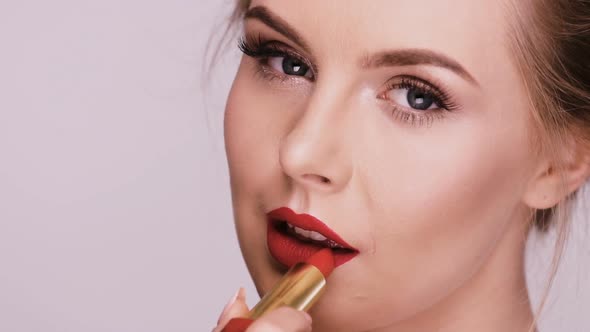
{"x": 299, "y": 288}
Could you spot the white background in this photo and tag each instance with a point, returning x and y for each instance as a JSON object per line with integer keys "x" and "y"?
{"x": 114, "y": 194}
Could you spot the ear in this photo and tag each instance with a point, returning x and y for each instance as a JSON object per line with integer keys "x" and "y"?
{"x": 556, "y": 179}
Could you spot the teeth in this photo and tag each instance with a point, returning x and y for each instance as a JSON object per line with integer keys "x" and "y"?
{"x": 303, "y": 232}
{"x": 308, "y": 234}
{"x": 333, "y": 244}
{"x": 317, "y": 236}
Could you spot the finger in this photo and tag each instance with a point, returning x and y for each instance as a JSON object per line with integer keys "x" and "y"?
{"x": 283, "y": 319}
{"x": 236, "y": 307}
{"x": 227, "y": 306}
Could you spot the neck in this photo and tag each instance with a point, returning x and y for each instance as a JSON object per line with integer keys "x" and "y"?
{"x": 494, "y": 299}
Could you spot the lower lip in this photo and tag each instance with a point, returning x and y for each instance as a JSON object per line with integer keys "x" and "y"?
{"x": 288, "y": 250}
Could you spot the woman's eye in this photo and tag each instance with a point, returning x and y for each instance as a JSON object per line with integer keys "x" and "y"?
{"x": 289, "y": 66}
{"x": 413, "y": 98}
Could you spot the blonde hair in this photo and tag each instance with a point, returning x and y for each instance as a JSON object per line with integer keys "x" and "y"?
{"x": 550, "y": 40}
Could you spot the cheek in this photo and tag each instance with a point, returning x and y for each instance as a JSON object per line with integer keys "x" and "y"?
{"x": 467, "y": 175}
{"x": 245, "y": 141}
{"x": 468, "y": 171}
{"x": 254, "y": 123}
{"x": 455, "y": 187}
{"x": 248, "y": 153}
{"x": 257, "y": 116}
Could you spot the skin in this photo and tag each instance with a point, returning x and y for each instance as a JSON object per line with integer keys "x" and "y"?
{"x": 439, "y": 207}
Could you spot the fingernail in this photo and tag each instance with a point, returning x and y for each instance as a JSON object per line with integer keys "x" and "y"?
{"x": 228, "y": 306}
{"x": 241, "y": 294}
{"x": 307, "y": 317}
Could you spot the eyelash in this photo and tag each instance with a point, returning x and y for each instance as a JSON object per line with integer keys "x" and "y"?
{"x": 414, "y": 117}
{"x": 262, "y": 50}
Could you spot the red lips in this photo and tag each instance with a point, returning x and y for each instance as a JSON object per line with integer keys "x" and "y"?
{"x": 288, "y": 249}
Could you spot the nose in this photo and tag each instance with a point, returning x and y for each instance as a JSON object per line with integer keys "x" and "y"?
{"x": 314, "y": 153}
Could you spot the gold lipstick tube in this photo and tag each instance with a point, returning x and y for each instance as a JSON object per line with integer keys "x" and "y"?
{"x": 299, "y": 288}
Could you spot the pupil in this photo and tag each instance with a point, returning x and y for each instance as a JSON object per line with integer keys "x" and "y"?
{"x": 292, "y": 66}
{"x": 419, "y": 100}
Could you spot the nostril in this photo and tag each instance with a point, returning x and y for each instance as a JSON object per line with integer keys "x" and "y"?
{"x": 317, "y": 178}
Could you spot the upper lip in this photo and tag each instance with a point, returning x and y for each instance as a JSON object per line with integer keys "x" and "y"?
{"x": 307, "y": 222}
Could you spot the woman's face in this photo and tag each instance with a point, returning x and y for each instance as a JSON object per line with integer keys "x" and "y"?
{"x": 404, "y": 127}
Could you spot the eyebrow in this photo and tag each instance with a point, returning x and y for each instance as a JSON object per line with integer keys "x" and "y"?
{"x": 265, "y": 16}
{"x": 413, "y": 57}
{"x": 402, "y": 57}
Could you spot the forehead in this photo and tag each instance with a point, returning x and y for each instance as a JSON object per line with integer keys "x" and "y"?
{"x": 471, "y": 32}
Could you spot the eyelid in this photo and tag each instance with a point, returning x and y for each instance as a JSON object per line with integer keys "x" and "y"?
{"x": 258, "y": 46}
{"x": 286, "y": 53}
{"x": 443, "y": 97}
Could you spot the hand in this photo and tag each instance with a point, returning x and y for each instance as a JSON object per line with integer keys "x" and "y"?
{"x": 284, "y": 319}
